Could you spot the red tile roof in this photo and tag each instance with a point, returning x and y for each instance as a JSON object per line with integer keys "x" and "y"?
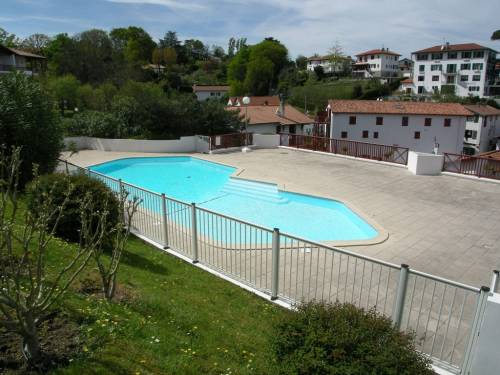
{"x": 483, "y": 110}
{"x": 256, "y": 100}
{"x": 211, "y": 88}
{"x": 268, "y": 114}
{"x": 407, "y": 81}
{"x": 454, "y": 47}
{"x": 495, "y": 155}
{"x": 398, "y": 108}
{"x": 378, "y": 52}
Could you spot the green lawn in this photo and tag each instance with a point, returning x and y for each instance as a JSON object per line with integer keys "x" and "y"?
{"x": 176, "y": 319}
{"x": 317, "y": 95}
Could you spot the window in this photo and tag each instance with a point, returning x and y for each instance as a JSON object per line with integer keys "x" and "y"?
{"x": 476, "y": 77}
{"x": 452, "y": 55}
{"x": 435, "y": 78}
{"x": 422, "y": 56}
{"x": 473, "y": 88}
{"x": 477, "y": 66}
{"x": 352, "y": 120}
{"x": 435, "y": 67}
{"x": 451, "y": 68}
{"x": 375, "y": 135}
{"x": 380, "y": 121}
{"x": 420, "y": 78}
{"x": 466, "y": 55}
{"x": 479, "y": 54}
{"x": 437, "y": 56}
{"x": 473, "y": 118}
{"x": 365, "y": 133}
{"x": 420, "y": 89}
{"x": 464, "y": 78}
{"x": 421, "y": 68}
{"x": 450, "y": 79}
{"x": 465, "y": 66}
{"x": 404, "y": 121}
{"x": 427, "y": 121}
{"x": 417, "y": 135}
{"x": 343, "y": 135}
{"x": 447, "y": 122}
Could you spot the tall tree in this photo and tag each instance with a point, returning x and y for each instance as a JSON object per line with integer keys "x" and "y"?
{"x": 7, "y": 39}
{"x": 231, "y": 47}
{"x": 36, "y": 43}
{"x": 301, "y": 62}
{"x": 495, "y": 35}
{"x": 95, "y": 54}
{"x": 134, "y": 42}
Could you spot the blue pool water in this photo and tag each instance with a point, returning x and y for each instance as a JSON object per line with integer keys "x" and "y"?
{"x": 210, "y": 185}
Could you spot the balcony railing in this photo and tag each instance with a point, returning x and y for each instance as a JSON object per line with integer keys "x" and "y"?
{"x": 372, "y": 151}
{"x": 472, "y": 165}
{"x": 222, "y": 141}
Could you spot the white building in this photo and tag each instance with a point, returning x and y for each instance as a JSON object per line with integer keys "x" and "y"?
{"x": 405, "y": 68}
{"x": 377, "y": 63}
{"x": 14, "y": 59}
{"x": 419, "y": 126}
{"x": 462, "y": 69}
{"x": 204, "y": 92}
{"x": 482, "y": 129}
{"x": 343, "y": 65}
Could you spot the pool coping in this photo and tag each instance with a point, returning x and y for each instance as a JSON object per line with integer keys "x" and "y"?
{"x": 383, "y": 235}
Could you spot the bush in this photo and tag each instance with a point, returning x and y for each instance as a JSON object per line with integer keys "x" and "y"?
{"x": 93, "y": 124}
{"x": 27, "y": 120}
{"x": 342, "y": 339}
{"x": 57, "y": 184}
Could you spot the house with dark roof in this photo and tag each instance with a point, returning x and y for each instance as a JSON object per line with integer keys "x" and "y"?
{"x": 14, "y": 59}
{"x": 270, "y": 115}
{"x": 377, "y": 63}
{"x": 482, "y": 129}
{"x": 462, "y": 69}
{"x": 419, "y": 126}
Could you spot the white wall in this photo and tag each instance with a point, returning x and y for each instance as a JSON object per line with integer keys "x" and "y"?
{"x": 204, "y": 95}
{"x": 184, "y": 144}
{"x": 266, "y": 140}
{"x": 271, "y": 128}
{"x": 392, "y": 132}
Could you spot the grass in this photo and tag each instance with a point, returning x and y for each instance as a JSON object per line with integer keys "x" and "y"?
{"x": 175, "y": 319}
{"x": 318, "y": 94}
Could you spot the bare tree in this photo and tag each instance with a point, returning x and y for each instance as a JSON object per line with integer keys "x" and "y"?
{"x": 28, "y": 288}
{"x": 108, "y": 266}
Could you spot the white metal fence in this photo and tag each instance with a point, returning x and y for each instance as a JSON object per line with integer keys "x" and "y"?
{"x": 444, "y": 315}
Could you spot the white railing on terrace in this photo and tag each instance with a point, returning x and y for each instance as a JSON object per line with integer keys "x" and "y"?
{"x": 443, "y": 314}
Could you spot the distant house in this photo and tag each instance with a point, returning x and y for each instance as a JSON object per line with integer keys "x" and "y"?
{"x": 14, "y": 59}
{"x": 204, "y": 92}
{"x": 405, "y": 68}
{"x": 406, "y": 86}
{"x": 482, "y": 129}
{"x": 462, "y": 69}
{"x": 157, "y": 68}
{"x": 377, "y": 63}
{"x": 269, "y": 115}
{"x": 342, "y": 65}
{"x": 419, "y": 126}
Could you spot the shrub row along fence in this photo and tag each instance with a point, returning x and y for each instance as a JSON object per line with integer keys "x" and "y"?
{"x": 218, "y": 142}
{"x": 390, "y": 154}
{"x": 443, "y": 314}
{"x": 472, "y": 165}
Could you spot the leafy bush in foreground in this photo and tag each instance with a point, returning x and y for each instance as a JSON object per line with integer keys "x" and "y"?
{"x": 56, "y": 185}
{"x": 342, "y": 339}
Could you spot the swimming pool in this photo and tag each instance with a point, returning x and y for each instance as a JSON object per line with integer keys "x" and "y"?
{"x": 211, "y": 186}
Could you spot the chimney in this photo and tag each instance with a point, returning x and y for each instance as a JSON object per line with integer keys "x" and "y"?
{"x": 281, "y": 111}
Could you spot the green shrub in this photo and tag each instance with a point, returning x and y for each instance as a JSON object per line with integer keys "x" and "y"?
{"x": 57, "y": 184}
{"x": 93, "y": 124}
{"x": 342, "y": 339}
{"x": 28, "y": 120}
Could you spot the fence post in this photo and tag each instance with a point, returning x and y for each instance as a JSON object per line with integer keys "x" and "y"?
{"x": 494, "y": 281}
{"x": 275, "y": 268}
{"x": 397, "y": 312}
{"x": 474, "y": 332}
{"x": 164, "y": 220}
{"x": 194, "y": 233}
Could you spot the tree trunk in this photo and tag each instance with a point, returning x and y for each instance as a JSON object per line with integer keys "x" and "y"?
{"x": 31, "y": 343}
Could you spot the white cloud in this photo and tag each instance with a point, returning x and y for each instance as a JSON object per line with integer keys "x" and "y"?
{"x": 166, "y": 3}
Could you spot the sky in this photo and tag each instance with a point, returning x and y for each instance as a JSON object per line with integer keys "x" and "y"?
{"x": 304, "y": 26}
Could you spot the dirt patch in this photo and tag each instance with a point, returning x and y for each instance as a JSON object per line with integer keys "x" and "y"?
{"x": 58, "y": 339}
{"x": 91, "y": 286}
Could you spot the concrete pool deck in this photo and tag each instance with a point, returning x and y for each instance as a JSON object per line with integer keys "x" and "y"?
{"x": 442, "y": 225}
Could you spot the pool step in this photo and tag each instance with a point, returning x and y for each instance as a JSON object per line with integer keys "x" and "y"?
{"x": 256, "y": 190}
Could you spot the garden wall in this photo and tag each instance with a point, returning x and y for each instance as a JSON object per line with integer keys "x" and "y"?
{"x": 195, "y": 143}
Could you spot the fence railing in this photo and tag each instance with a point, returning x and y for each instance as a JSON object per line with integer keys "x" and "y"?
{"x": 472, "y": 165}
{"x": 222, "y": 141}
{"x": 387, "y": 153}
{"x": 443, "y": 314}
